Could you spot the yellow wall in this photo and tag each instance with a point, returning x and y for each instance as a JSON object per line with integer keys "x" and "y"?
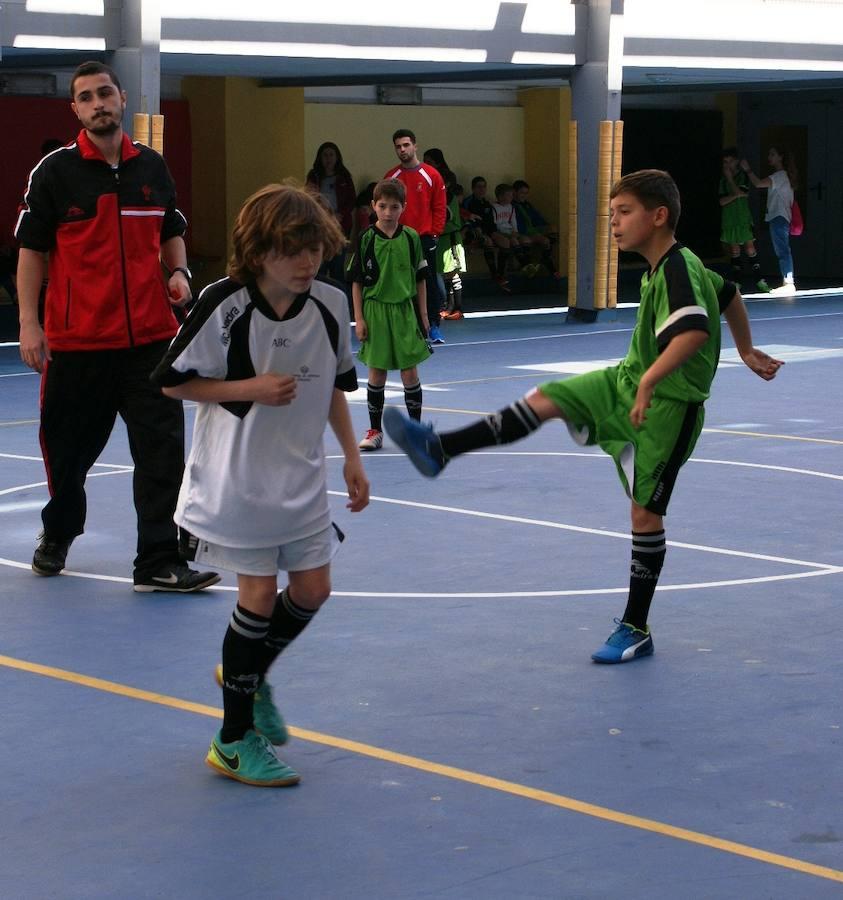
{"x": 485, "y": 141}
{"x": 208, "y": 225}
{"x": 728, "y": 105}
{"x": 547, "y": 112}
{"x": 245, "y": 136}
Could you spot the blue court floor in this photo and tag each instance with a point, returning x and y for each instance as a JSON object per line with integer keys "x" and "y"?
{"x": 455, "y": 740}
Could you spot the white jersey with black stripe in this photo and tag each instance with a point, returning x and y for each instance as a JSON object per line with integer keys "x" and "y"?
{"x": 255, "y": 476}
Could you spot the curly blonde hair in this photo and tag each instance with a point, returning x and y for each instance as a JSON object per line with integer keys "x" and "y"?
{"x": 283, "y": 218}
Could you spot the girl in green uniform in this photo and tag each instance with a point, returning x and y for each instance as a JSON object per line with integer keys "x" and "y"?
{"x": 736, "y": 218}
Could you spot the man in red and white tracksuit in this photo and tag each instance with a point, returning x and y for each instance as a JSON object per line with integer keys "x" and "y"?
{"x": 426, "y": 211}
{"x": 104, "y": 210}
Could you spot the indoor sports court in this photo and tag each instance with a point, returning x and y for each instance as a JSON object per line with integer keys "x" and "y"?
{"x": 454, "y": 739}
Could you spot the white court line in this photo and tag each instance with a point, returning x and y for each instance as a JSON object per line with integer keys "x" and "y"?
{"x": 820, "y": 568}
{"x": 721, "y": 462}
{"x": 41, "y": 459}
{"x": 37, "y": 484}
{"x": 580, "y": 529}
{"x": 483, "y": 595}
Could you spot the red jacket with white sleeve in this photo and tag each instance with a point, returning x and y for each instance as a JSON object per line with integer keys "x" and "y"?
{"x": 427, "y": 205}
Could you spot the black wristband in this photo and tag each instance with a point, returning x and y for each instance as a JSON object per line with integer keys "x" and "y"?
{"x": 184, "y": 271}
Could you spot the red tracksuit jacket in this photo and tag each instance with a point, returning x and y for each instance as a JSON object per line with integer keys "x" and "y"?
{"x": 103, "y": 229}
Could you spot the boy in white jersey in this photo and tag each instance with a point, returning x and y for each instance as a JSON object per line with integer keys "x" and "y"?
{"x": 266, "y": 354}
{"x": 647, "y": 412}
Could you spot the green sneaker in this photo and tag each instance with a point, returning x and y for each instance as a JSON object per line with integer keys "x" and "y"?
{"x": 268, "y": 721}
{"x": 250, "y": 760}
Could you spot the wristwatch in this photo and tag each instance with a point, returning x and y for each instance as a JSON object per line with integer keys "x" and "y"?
{"x": 184, "y": 270}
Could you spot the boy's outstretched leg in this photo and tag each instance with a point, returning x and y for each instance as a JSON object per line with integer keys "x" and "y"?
{"x": 632, "y": 639}
{"x": 429, "y": 451}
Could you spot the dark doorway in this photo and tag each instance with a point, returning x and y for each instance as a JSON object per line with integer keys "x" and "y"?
{"x": 686, "y": 143}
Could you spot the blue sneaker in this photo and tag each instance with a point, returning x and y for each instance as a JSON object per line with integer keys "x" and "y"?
{"x": 435, "y": 335}
{"x": 420, "y": 442}
{"x": 624, "y": 644}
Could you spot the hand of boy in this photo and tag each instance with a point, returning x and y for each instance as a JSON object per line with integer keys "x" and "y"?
{"x": 273, "y": 389}
{"x": 357, "y": 484}
{"x": 361, "y": 329}
{"x": 762, "y": 364}
{"x": 638, "y": 413}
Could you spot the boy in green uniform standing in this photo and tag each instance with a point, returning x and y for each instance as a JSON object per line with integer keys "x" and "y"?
{"x": 646, "y": 412}
{"x": 390, "y": 306}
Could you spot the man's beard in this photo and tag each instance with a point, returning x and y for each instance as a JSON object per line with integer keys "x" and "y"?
{"x": 103, "y": 125}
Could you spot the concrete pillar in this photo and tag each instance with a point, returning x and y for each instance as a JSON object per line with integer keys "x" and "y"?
{"x": 133, "y": 37}
{"x": 596, "y": 96}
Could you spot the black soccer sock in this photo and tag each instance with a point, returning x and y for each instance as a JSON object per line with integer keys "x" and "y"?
{"x": 509, "y": 424}
{"x": 756, "y": 266}
{"x": 374, "y": 400}
{"x": 287, "y": 623}
{"x": 522, "y": 254}
{"x": 648, "y": 550}
{"x": 413, "y": 400}
{"x": 241, "y": 664}
{"x": 737, "y": 268}
{"x": 489, "y": 256}
{"x": 503, "y": 258}
{"x": 547, "y": 261}
{"x": 456, "y": 291}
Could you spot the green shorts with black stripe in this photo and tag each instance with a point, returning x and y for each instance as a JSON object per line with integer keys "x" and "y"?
{"x": 596, "y": 406}
{"x": 394, "y": 340}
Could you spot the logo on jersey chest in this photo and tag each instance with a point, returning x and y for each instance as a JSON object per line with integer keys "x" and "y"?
{"x": 230, "y": 316}
{"x": 305, "y": 375}
{"x": 281, "y": 342}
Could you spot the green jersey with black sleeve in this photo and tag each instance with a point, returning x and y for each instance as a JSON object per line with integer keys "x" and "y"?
{"x": 676, "y": 296}
{"x": 388, "y": 268}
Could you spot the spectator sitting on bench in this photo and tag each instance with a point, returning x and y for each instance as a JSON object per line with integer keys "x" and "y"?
{"x": 533, "y": 229}
{"x": 480, "y": 229}
{"x": 506, "y": 224}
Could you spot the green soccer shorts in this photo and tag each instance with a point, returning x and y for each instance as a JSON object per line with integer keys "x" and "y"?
{"x": 596, "y": 406}
{"x": 395, "y": 340}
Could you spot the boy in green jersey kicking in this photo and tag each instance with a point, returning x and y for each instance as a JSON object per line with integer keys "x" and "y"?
{"x": 646, "y": 412}
{"x": 390, "y": 305}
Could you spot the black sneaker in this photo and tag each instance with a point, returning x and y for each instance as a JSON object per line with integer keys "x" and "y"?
{"x": 176, "y": 577}
{"x": 50, "y": 556}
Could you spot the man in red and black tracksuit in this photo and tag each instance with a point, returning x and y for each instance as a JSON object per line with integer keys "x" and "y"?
{"x": 104, "y": 210}
{"x": 426, "y": 211}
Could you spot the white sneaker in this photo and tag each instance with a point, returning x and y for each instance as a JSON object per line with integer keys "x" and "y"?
{"x": 372, "y": 440}
{"x": 788, "y": 289}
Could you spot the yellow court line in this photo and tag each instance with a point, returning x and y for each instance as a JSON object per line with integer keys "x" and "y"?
{"x": 464, "y": 775}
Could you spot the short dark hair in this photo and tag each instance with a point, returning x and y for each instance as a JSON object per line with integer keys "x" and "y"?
{"x": 390, "y": 188}
{"x": 403, "y": 132}
{"x": 285, "y": 219}
{"x": 93, "y": 67}
{"x": 520, "y": 183}
{"x": 730, "y": 151}
{"x": 476, "y": 180}
{"x": 652, "y": 188}
{"x": 502, "y": 188}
